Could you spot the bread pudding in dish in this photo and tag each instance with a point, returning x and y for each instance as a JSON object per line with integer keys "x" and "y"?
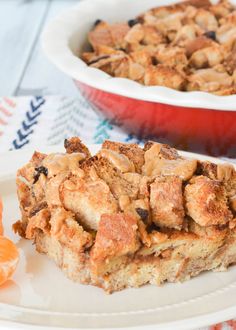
{"x": 128, "y": 216}
{"x": 188, "y": 46}
{"x": 153, "y": 112}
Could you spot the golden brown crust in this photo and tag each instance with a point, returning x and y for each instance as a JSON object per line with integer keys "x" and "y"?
{"x": 208, "y": 169}
{"x": 118, "y": 219}
{"x": 116, "y": 237}
{"x": 171, "y": 56}
{"x": 206, "y": 202}
{"x": 132, "y": 151}
{"x": 209, "y": 80}
{"x": 19, "y": 227}
{"x": 67, "y": 230}
{"x": 222, "y": 9}
{"x": 88, "y": 199}
{"x": 114, "y": 178}
{"x": 163, "y": 160}
{"x": 230, "y": 62}
{"x": 165, "y": 151}
{"x": 118, "y": 32}
{"x": 101, "y": 35}
{"x": 167, "y": 45}
{"x": 166, "y": 199}
{"x": 198, "y": 3}
{"x": 164, "y": 75}
{"x": 197, "y": 44}
{"x": 226, "y": 173}
{"x": 74, "y": 144}
{"x": 39, "y": 221}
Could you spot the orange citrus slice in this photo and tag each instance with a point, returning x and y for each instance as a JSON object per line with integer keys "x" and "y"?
{"x": 9, "y": 257}
{"x": 1, "y": 225}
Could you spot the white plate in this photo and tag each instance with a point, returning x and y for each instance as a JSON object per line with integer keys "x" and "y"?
{"x": 39, "y": 294}
{"x": 65, "y": 37}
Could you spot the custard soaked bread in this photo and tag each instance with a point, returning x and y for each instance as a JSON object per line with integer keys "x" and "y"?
{"x": 128, "y": 216}
{"x": 187, "y": 46}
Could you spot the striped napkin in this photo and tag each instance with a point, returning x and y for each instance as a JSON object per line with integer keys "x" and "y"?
{"x": 35, "y": 121}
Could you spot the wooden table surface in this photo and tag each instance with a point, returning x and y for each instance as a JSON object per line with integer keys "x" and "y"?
{"x": 24, "y": 70}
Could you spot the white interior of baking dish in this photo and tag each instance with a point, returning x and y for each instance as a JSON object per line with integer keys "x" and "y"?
{"x": 65, "y": 37}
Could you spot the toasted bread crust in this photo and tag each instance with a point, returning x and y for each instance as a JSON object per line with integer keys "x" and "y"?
{"x": 128, "y": 216}
{"x": 75, "y": 145}
{"x": 206, "y": 202}
{"x": 186, "y": 46}
{"x": 132, "y": 151}
{"x": 166, "y": 199}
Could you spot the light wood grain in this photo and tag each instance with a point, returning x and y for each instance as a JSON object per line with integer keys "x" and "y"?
{"x": 20, "y": 24}
{"x": 41, "y": 77}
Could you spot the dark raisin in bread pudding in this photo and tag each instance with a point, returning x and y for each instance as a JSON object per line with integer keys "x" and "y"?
{"x": 188, "y": 46}
{"x": 128, "y": 216}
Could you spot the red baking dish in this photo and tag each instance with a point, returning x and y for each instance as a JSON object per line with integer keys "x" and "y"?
{"x": 203, "y": 130}
{"x": 194, "y": 121}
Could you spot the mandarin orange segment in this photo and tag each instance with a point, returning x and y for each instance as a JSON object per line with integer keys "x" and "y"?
{"x": 1, "y": 211}
{"x": 9, "y": 257}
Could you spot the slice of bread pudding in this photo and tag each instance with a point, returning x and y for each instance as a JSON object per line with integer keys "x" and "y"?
{"x": 128, "y": 216}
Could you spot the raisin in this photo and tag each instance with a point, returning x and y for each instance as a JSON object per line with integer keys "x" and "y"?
{"x": 98, "y": 59}
{"x": 98, "y": 21}
{"x": 210, "y": 35}
{"x": 121, "y": 49}
{"x": 40, "y": 170}
{"x": 38, "y": 208}
{"x": 133, "y": 22}
{"x": 142, "y": 213}
{"x": 154, "y": 60}
{"x": 66, "y": 143}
